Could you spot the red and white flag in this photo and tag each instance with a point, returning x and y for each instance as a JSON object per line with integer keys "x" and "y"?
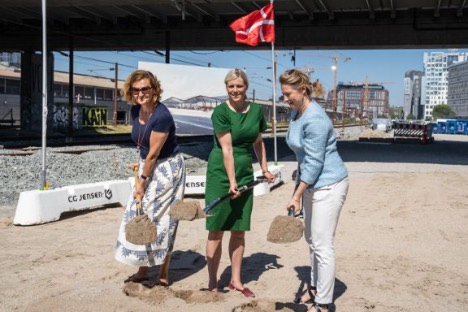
{"x": 258, "y": 26}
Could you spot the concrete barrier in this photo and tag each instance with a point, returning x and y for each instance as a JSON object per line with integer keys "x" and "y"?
{"x": 37, "y": 207}
{"x": 195, "y": 185}
{"x": 409, "y": 130}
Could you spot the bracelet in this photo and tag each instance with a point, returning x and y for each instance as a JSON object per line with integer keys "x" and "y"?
{"x": 265, "y": 171}
{"x": 144, "y": 177}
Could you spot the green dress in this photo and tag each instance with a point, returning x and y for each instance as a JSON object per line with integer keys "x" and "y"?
{"x": 232, "y": 215}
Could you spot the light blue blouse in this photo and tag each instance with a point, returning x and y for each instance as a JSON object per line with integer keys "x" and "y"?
{"x": 312, "y": 139}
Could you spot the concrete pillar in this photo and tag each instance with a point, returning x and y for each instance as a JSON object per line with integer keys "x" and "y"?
{"x": 31, "y": 91}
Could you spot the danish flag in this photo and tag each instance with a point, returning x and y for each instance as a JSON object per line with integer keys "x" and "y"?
{"x": 258, "y": 26}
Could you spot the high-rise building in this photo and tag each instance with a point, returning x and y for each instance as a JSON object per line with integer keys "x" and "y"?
{"x": 436, "y": 71}
{"x": 412, "y": 105}
{"x": 458, "y": 88}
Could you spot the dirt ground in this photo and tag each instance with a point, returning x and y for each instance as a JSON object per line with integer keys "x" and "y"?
{"x": 401, "y": 245}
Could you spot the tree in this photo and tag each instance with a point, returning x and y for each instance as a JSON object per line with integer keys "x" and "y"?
{"x": 442, "y": 111}
{"x": 410, "y": 116}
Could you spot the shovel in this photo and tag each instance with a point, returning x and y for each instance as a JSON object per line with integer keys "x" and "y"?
{"x": 285, "y": 229}
{"x": 192, "y": 210}
{"x": 241, "y": 189}
{"x": 140, "y": 230}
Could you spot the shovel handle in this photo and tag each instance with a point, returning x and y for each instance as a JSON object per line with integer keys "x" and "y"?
{"x": 241, "y": 189}
{"x": 137, "y": 197}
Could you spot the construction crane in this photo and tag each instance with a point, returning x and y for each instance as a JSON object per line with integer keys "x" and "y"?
{"x": 335, "y": 59}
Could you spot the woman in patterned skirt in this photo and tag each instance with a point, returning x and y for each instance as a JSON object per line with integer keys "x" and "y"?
{"x": 161, "y": 172}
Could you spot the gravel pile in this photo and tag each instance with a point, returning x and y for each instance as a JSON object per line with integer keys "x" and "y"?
{"x": 77, "y": 165}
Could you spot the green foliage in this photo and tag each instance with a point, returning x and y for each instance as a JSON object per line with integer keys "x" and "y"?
{"x": 442, "y": 111}
{"x": 410, "y": 116}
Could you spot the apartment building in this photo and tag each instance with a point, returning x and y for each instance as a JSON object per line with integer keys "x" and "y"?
{"x": 435, "y": 86}
{"x": 368, "y": 100}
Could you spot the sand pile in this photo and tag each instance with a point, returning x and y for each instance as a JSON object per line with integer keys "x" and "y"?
{"x": 369, "y": 133}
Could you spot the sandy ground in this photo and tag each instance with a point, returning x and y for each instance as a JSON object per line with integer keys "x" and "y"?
{"x": 401, "y": 245}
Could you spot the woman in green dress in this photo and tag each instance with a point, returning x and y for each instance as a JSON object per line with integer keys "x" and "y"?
{"x": 238, "y": 127}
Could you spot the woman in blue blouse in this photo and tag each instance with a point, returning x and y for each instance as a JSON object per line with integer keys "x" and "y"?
{"x": 321, "y": 183}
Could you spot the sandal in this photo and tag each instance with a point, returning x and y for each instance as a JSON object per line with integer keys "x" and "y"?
{"x": 153, "y": 283}
{"x": 311, "y": 297}
{"x": 317, "y": 307}
{"x": 135, "y": 279}
{"x": 246, "y": 292}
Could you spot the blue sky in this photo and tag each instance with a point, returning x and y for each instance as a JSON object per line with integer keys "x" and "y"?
{"x": 386, "y": 66}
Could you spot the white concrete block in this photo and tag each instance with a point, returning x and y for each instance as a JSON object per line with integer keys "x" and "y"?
{"x": 37, "y": 207}
{"x": 195, "y": 185}
{"x": 265, "y": 187}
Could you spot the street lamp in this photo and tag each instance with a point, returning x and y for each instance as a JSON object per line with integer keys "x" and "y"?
{"x": 334, "y": 99}
{"x": 335, "y": 59}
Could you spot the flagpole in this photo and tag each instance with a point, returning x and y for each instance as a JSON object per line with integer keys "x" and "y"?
{"x": 273, "y": 82}
{"x": 44, "y": 185}
{"x": 273, "y": 70}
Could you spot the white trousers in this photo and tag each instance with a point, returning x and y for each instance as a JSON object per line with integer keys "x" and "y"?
{"x": 322, "y": 209}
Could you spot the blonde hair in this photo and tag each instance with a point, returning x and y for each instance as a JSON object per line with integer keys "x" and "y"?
{"x": 296, "y": 79}
{"x": 319, "y": 90}
{"x": 237, "y": 73}
{"x": 138, "y": 75}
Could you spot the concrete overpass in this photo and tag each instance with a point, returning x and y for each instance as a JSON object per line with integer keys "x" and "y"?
{"x": 204, "y": 24}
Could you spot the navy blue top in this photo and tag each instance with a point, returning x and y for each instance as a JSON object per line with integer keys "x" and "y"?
{"x": 160, "y": 121}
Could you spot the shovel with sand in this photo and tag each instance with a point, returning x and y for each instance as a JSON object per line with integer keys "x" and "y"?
{"x": 285, "y": 229}
{"x": 190, "y": 210}
{"x": 140, "y": 230}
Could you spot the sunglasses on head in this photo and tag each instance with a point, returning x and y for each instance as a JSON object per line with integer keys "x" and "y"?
{"x": 144, "y": 90}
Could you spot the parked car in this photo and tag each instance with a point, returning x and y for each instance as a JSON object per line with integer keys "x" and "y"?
{"x": 381, "y": 124}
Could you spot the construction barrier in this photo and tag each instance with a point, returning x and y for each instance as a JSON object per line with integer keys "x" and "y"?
{"x": 409, "y": 130}
{"x": 451, "y": 126}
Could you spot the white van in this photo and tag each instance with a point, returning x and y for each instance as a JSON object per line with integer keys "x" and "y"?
{"x": 381, "y": 124}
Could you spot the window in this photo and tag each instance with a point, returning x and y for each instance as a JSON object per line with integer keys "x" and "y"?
{"x": 99, "y": 94}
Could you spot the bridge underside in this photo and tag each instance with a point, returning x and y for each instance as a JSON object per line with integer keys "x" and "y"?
{"x": 204, "y": 25}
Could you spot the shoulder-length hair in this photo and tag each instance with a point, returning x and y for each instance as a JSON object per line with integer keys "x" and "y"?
{"x": 138, "y": 75}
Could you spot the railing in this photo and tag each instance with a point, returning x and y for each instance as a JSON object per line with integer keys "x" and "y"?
{"x": 10, "y": 121}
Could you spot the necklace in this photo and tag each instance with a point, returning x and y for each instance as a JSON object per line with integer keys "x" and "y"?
{"x": 140, "y": 134}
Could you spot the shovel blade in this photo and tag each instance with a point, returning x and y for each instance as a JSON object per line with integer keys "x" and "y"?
{"x": 285, "y": 229}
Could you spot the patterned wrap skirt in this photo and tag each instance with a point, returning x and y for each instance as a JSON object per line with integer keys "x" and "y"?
{"x": 166, "y": 184}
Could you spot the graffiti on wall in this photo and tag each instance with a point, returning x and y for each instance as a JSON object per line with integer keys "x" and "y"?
{"x": 60, "y": 119}
{"x": 94, "y": 116}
